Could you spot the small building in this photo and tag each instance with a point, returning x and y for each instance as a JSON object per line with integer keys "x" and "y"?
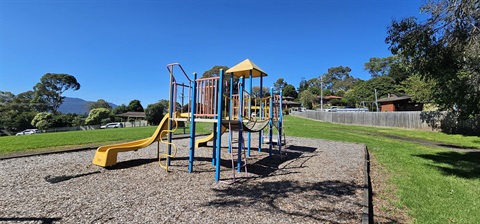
{"x": 328, "y": 99}
{"x": 288, "y": 103}
{"x": 399, "y": 103}
{"x": 133, "y": 119}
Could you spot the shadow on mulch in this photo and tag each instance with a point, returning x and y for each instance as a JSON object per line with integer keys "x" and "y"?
{"x": 58, "y": 179}
{"x": 42, "y": 220}
{"x": 131, "y": 163}
{"x": 292, "y": 198}
{"x": 300, "y": 196}
{"x": 460, "y": 164}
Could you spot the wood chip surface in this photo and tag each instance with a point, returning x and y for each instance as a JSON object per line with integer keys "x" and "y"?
{"x": 316, "y": 181}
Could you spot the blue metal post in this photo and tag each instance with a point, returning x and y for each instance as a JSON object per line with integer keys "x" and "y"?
{"x": 250, "y": 113}
{"x": 262, "y": 116}
{"x": 193, "y": 103}
{"x": 214, "y": 147}
{"x": 280, "y": 122}
{"x": 270, "y": 130}
{"x": 219, "y": 127}
{"x": 231, "y": 95}
{"x": 215, "y": 136}
{"x": 240, "y": 129}
{"x": 230, "y": 113}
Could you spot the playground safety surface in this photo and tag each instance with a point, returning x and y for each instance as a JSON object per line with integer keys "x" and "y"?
{"x": 317, "y": 181}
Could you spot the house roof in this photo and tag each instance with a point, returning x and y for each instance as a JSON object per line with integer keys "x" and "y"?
{"x": 393, "y": 97}
{"x": 285, "y": 102}
{"x": 243, "y": 69}
{"x": 330, "y": 97}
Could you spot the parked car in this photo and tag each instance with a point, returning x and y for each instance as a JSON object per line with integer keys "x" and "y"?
{"x": 112, "y": 125}
{"x": 28, "y": 132}
{"x": 331, "y": 109}
{"x": 346, "y": 109}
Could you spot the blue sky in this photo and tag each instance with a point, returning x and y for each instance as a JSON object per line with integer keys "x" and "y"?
{"x": 118, "y": 50}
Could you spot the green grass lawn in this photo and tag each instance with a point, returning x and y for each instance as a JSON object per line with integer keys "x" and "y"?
{"x": 76, "y": 139}
{"x": 435, "y": 184}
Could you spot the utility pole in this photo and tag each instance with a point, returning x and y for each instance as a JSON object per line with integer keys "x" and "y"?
{"x": 321, "y": 92}
{"x": 376, "y": 100}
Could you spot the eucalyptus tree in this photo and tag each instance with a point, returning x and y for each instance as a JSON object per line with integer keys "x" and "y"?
{"x": 48, "y": 92}
{"x": 444, "y": 48}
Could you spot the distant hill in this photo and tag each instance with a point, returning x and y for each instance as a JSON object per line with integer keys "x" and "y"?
{"x": 77, "y": 106}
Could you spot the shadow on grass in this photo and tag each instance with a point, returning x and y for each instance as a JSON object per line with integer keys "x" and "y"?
{"x": 291, "y": 198}
{"x": 31, "y": 219}
{"x": 465, "y": 165}
{"x": 455, "y": 146}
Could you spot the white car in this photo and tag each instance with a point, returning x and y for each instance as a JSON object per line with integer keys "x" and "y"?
{"x": 112, "y": 125}
{"x": 28, "y": 132}
{"x": 331, "y": 109}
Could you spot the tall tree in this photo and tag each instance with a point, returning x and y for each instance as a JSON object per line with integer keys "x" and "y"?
{"x": 444, "y": 48}
{"x": 307, "y": 99}
{"x": 290, "y": 91}
{"x": 155, "y": 112}
{"x": 120, "y": 109}
{"x": 165, "y": 105}
{"x": 135, "y": 106}
{"x": 304, "y": 84}
{"x": 15, "y": 111}
{"x": 256, "y": 91}
{"x": 43, "y": 120}
{"x": 23, "y": 101}
{"x": 365, "y": 90}
{"x": 279, "y": 85}
{"x": 419, "y": 89}
{"x": 48, "y": 92}
{"x": 378, "y": 66}
{"x": 96, "y": 116}
{"x": 392, "y": 66}
{"x": 338, "y": 79}
{"x": 215, "y": 72}
{"x": 100, "y": 103}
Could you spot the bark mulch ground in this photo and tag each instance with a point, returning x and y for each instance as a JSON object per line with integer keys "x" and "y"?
{"x": 317, "y": 181}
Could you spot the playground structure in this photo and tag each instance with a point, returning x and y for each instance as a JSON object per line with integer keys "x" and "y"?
{"x": 214, "y": 100}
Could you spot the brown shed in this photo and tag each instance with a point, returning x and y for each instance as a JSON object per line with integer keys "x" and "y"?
{"x": 399, "y": 103}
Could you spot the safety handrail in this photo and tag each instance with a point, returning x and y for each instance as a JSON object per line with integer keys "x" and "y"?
{"x": 171, "y": 71}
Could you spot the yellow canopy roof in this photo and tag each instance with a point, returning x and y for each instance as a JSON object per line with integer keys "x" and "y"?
{"x": 243, "y": 69}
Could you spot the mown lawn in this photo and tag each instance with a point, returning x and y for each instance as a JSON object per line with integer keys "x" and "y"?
{"x": 436, "y": 184}
{"x": 77, "y": 139}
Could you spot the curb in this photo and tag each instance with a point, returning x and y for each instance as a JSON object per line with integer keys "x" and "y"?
{"x": 21, "y": 155}
{"x": 367, "y": 207}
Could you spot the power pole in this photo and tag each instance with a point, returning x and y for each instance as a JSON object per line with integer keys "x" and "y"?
{"x": 321, "y": 92}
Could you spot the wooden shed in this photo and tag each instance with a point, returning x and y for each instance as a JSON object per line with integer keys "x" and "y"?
{"x": 399, "y": 103}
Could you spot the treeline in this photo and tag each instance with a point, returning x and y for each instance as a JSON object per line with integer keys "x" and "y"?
{"x": 38, "y": 108}
{"x": 435, "y": 60}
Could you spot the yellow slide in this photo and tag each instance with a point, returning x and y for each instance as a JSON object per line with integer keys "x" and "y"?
{"x": 107, "y": 155}
{"x": 203, "y": 141}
